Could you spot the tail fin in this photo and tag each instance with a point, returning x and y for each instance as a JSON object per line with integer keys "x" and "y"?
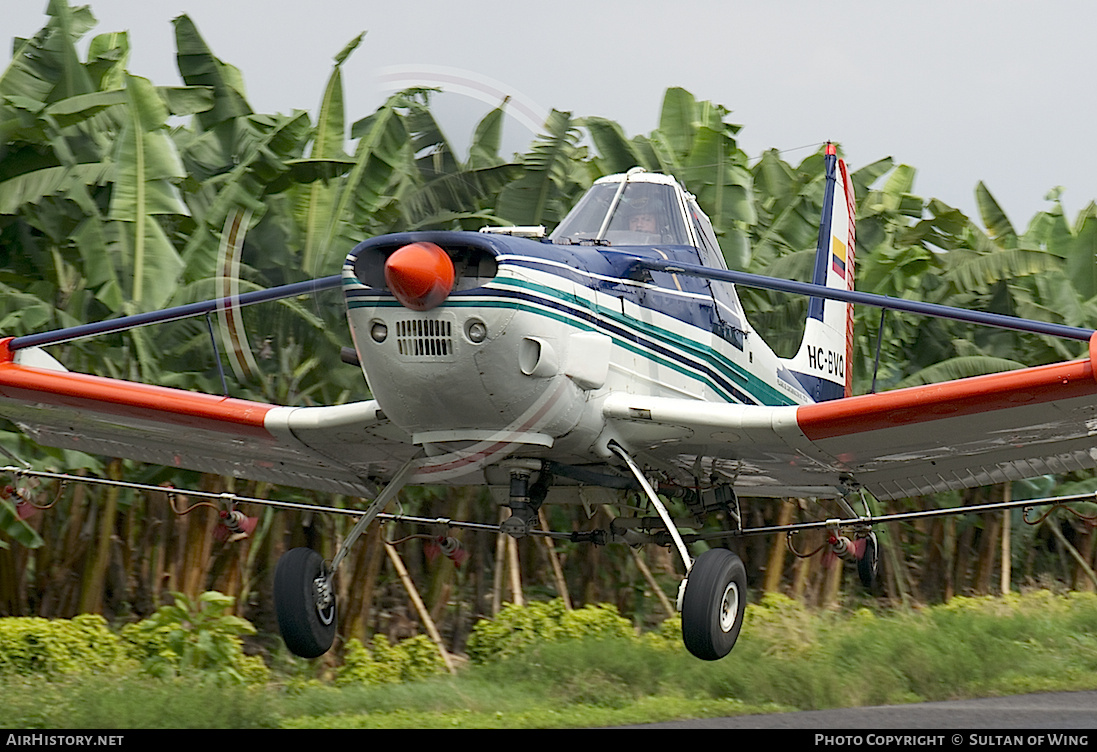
{"x": 823, "y": 363}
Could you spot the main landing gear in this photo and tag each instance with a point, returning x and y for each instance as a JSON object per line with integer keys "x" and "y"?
{"x": 713, "y": 597}
{"x": 868, "y": 566}
{"x": 304, "y": 592}
{"x": 305, "y": 602}
{"x": 713, "y": 604}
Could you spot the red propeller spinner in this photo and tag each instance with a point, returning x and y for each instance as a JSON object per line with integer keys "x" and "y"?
{"x": 420, "y": 275}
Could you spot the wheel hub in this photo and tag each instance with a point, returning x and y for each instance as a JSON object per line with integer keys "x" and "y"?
{"x": 729, "y": 607}
{"x": 324, "y": 598}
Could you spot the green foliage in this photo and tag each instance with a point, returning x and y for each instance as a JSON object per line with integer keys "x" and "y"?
{"x": 98, "y": 701}
{"x": 188, "y": 637}
{"x": 668, "y": 636}
{"x": 54, "y": 648}
{"x": 780, "y": 625}
{"x": 99, "y": 200}
{"x": 552, "y": 177}
{"x": 600, "y": 620}
{"x": 116, "y": 195}
{"x": 419, "y": 658}
{"x": 413, "y": 659}
{"x": 968, "y": 647}
{"x": 517, "y": 628}
{"x": 359, "y": 666}
{"x": 514, "y": 629}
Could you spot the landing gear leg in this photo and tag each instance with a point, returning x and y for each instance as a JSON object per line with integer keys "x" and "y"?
{"x": 304, "y": 592}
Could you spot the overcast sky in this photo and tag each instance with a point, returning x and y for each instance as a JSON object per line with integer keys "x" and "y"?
{"x": 995, "y": 90}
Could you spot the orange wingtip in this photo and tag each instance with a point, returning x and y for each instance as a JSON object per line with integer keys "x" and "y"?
{"x": 920, "y": 404}
{"x": 126, "y": 398}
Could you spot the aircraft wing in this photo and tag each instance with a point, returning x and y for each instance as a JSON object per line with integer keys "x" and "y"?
{"x": 344, "y": 449}
{"x": 897, "y": 444}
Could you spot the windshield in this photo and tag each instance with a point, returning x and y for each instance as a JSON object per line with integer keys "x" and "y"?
{"x": 645, "y": 214}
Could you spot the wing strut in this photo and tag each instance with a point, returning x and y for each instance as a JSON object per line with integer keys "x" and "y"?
{"x": 640, "y": 265}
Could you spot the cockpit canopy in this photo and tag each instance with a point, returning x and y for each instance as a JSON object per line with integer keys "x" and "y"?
{"x": 625, "y": 213}
{"x": 638, "y": 208}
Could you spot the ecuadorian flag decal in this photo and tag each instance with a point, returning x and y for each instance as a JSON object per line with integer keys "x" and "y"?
{"x": 838, "y": 256}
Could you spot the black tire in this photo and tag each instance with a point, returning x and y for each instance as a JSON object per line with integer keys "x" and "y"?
{"x": 307, "y": 628}
{"x": 868, "y": 566}
{"x": 713, "y": 604}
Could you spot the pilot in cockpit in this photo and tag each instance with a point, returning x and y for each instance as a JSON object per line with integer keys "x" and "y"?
{"x": 640, "y": 212}
{"x": 643, "y": 216}
{"x": 643, "y": 221}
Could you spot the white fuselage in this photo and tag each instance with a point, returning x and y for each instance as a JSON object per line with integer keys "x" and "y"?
{"x": 518, "y": 364}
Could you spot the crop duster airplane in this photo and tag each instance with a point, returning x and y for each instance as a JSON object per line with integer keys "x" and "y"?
{"x": 609, "y": 359}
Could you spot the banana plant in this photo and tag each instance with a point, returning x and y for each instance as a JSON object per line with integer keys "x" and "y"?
{"x": 553, "y": 174}
{"x": 695, "y": 143}
{"x": 442, "y": 191}
{"x": 314, "y": 202}
{"x": 89, "y": 176}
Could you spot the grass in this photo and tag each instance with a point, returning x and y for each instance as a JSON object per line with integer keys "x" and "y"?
{"x": 788, "y": 658}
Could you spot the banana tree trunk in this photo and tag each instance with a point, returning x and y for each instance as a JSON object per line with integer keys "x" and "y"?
{"x": 95, "y": 568}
